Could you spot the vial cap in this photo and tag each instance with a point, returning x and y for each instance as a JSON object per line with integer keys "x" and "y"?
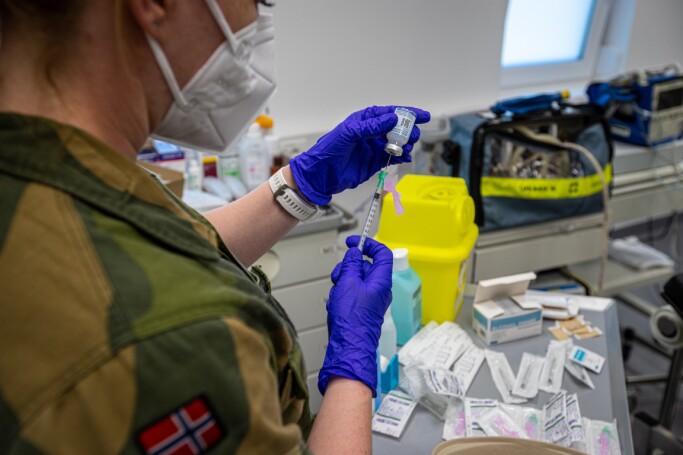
{"x": 400, "y": 259}
{"x": 393, "y": 149}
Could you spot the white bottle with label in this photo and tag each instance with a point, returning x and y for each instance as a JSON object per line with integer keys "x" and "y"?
{"x": 254, "y": 158}
{"x": 193, "y": 171}
{"x": 387, "y": 341}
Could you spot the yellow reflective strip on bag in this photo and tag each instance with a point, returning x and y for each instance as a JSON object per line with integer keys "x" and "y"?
{"x": 544, "y": 188}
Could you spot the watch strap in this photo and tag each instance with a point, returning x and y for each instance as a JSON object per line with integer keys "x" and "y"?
{"x": 290, "y": 200}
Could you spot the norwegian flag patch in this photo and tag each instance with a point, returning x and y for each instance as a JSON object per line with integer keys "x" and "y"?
{"x": 191, "y": 429}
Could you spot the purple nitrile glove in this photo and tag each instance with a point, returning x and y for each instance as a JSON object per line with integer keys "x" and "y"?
{"x": 351, "y": 153}
{"x": 355, "y": 312}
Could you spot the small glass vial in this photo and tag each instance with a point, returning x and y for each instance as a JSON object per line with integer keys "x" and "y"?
{"x": 400, "y": 135}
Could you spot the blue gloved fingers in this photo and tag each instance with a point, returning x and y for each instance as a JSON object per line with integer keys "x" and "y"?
{"x": 336, "y": 273}
{"x": 351, "y": 265}
{"x": 352, "y": 241}
{"x": 374, "y": 127}
{"x": 421, "y": 116}
{"x": 378, "y": 252}
{"x": 414, "y": 135}
{"x": 375, "y": 111}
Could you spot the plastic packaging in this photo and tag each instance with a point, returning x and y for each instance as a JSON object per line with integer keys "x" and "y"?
{"x": 387, "y": 340}
{"x": 502, "y": 374}
{"x": 451, "y": 348}
{"x": 528, "y": 418}
{"x": 406, "y": 303}
{"x": 421, "y": 385}
{"x": 407, "y": 353}
{"x": 526, "y": 383}
{"x": 254, "y": 158}
{"x": 393, "y": 414}
{"x": 587, "y": 358}
{"x": 579, "y": 373}
{"x": 498, "y": 423}
{"x": 553, "y": 368}
{"x": 475, "y": 409}
{"x": 468, "y": 365}
{"x": 576, "y": 437}
{"x": 400, "y": 135}
{"x": 456, "y": 423}
{"x": 602, "y": 438}
{"x": 555, "y": 424}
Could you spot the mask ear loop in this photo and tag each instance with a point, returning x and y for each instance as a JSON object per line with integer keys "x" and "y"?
{"x": 218, "y": 16}
{"x": 167, "y": 71}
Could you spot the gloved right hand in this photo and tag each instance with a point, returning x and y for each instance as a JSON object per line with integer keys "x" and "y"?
{"x": 355, "y": 312}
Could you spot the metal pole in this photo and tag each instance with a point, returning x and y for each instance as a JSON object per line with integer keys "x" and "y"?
{"x": 670, "y": 400}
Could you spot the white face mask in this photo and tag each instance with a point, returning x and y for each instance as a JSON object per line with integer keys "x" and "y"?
{"x": 227, "y": 92}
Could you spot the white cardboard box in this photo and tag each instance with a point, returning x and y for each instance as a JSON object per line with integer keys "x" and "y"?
{"x": 500, "y": 312}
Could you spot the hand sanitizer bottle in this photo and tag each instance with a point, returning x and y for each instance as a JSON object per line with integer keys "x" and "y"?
{"x": 406, "y": 305}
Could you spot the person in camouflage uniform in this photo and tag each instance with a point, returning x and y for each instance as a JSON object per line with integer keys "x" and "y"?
{"x": 127, "y": 325}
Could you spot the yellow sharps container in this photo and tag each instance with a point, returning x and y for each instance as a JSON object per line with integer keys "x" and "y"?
{"x": 439, "y": 231}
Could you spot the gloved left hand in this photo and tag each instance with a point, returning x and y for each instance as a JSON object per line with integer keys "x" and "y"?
{"x": 351, "y": 153}
{"x": 355, "y": 312}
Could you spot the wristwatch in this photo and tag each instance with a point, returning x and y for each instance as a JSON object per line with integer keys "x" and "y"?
{"x": 290, "y": 200}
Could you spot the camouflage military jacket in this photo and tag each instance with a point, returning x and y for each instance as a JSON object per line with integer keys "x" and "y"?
{"x": 126, "y": 326}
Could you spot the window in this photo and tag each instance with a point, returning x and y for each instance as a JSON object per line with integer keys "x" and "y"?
{"x": 549, "y": 41}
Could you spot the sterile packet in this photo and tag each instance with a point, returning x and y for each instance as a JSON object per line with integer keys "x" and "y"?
{"x": 405, "y": 354}
{"x": 434, "y": 380}
{"x": 422, "y": 389}
{"x": 475, "y": 409}
{"x": 498, "y": 423}
{"x": 555, "y": 426}
{"x": 528, "y": 418}
{"x": 602, "y": 438}
{"x": 579, "y": 372}
{"x": 454, "y": 346}
{"x": 468, "y": 365}
{"x": 393, "y": 414}
{"x": 526, "y": 383}
{"x": 576, "y": 439}
{"x": 502, "y": 374}
{"x": 456, "y": 422}
{"x": 553, "y": 367}
{"x": 425, "y": 351}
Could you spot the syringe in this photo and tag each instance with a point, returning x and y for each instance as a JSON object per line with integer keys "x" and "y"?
{"x": 373, "y": 206}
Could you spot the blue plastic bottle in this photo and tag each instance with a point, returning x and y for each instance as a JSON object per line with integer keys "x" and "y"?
{"x": 406, "y": 306}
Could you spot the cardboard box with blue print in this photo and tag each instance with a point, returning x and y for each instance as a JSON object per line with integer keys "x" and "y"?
{"x": 501, "y": 313}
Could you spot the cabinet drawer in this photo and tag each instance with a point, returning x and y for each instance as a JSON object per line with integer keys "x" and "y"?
{"x": 315, "y": 398}
{"x": 303, "y": 258}
{"x": 313, "y": 345}
{"x": 305, "y": 303}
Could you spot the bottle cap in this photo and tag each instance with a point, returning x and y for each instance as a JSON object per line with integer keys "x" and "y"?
{"x": 393, "y": 149}
{"x": 264, "y": 121}
{"x": 400, "y": 259}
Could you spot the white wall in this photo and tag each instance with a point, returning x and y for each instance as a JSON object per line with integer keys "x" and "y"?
{"x": 657, "y": 35}
{"x": 337, "y": 56}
